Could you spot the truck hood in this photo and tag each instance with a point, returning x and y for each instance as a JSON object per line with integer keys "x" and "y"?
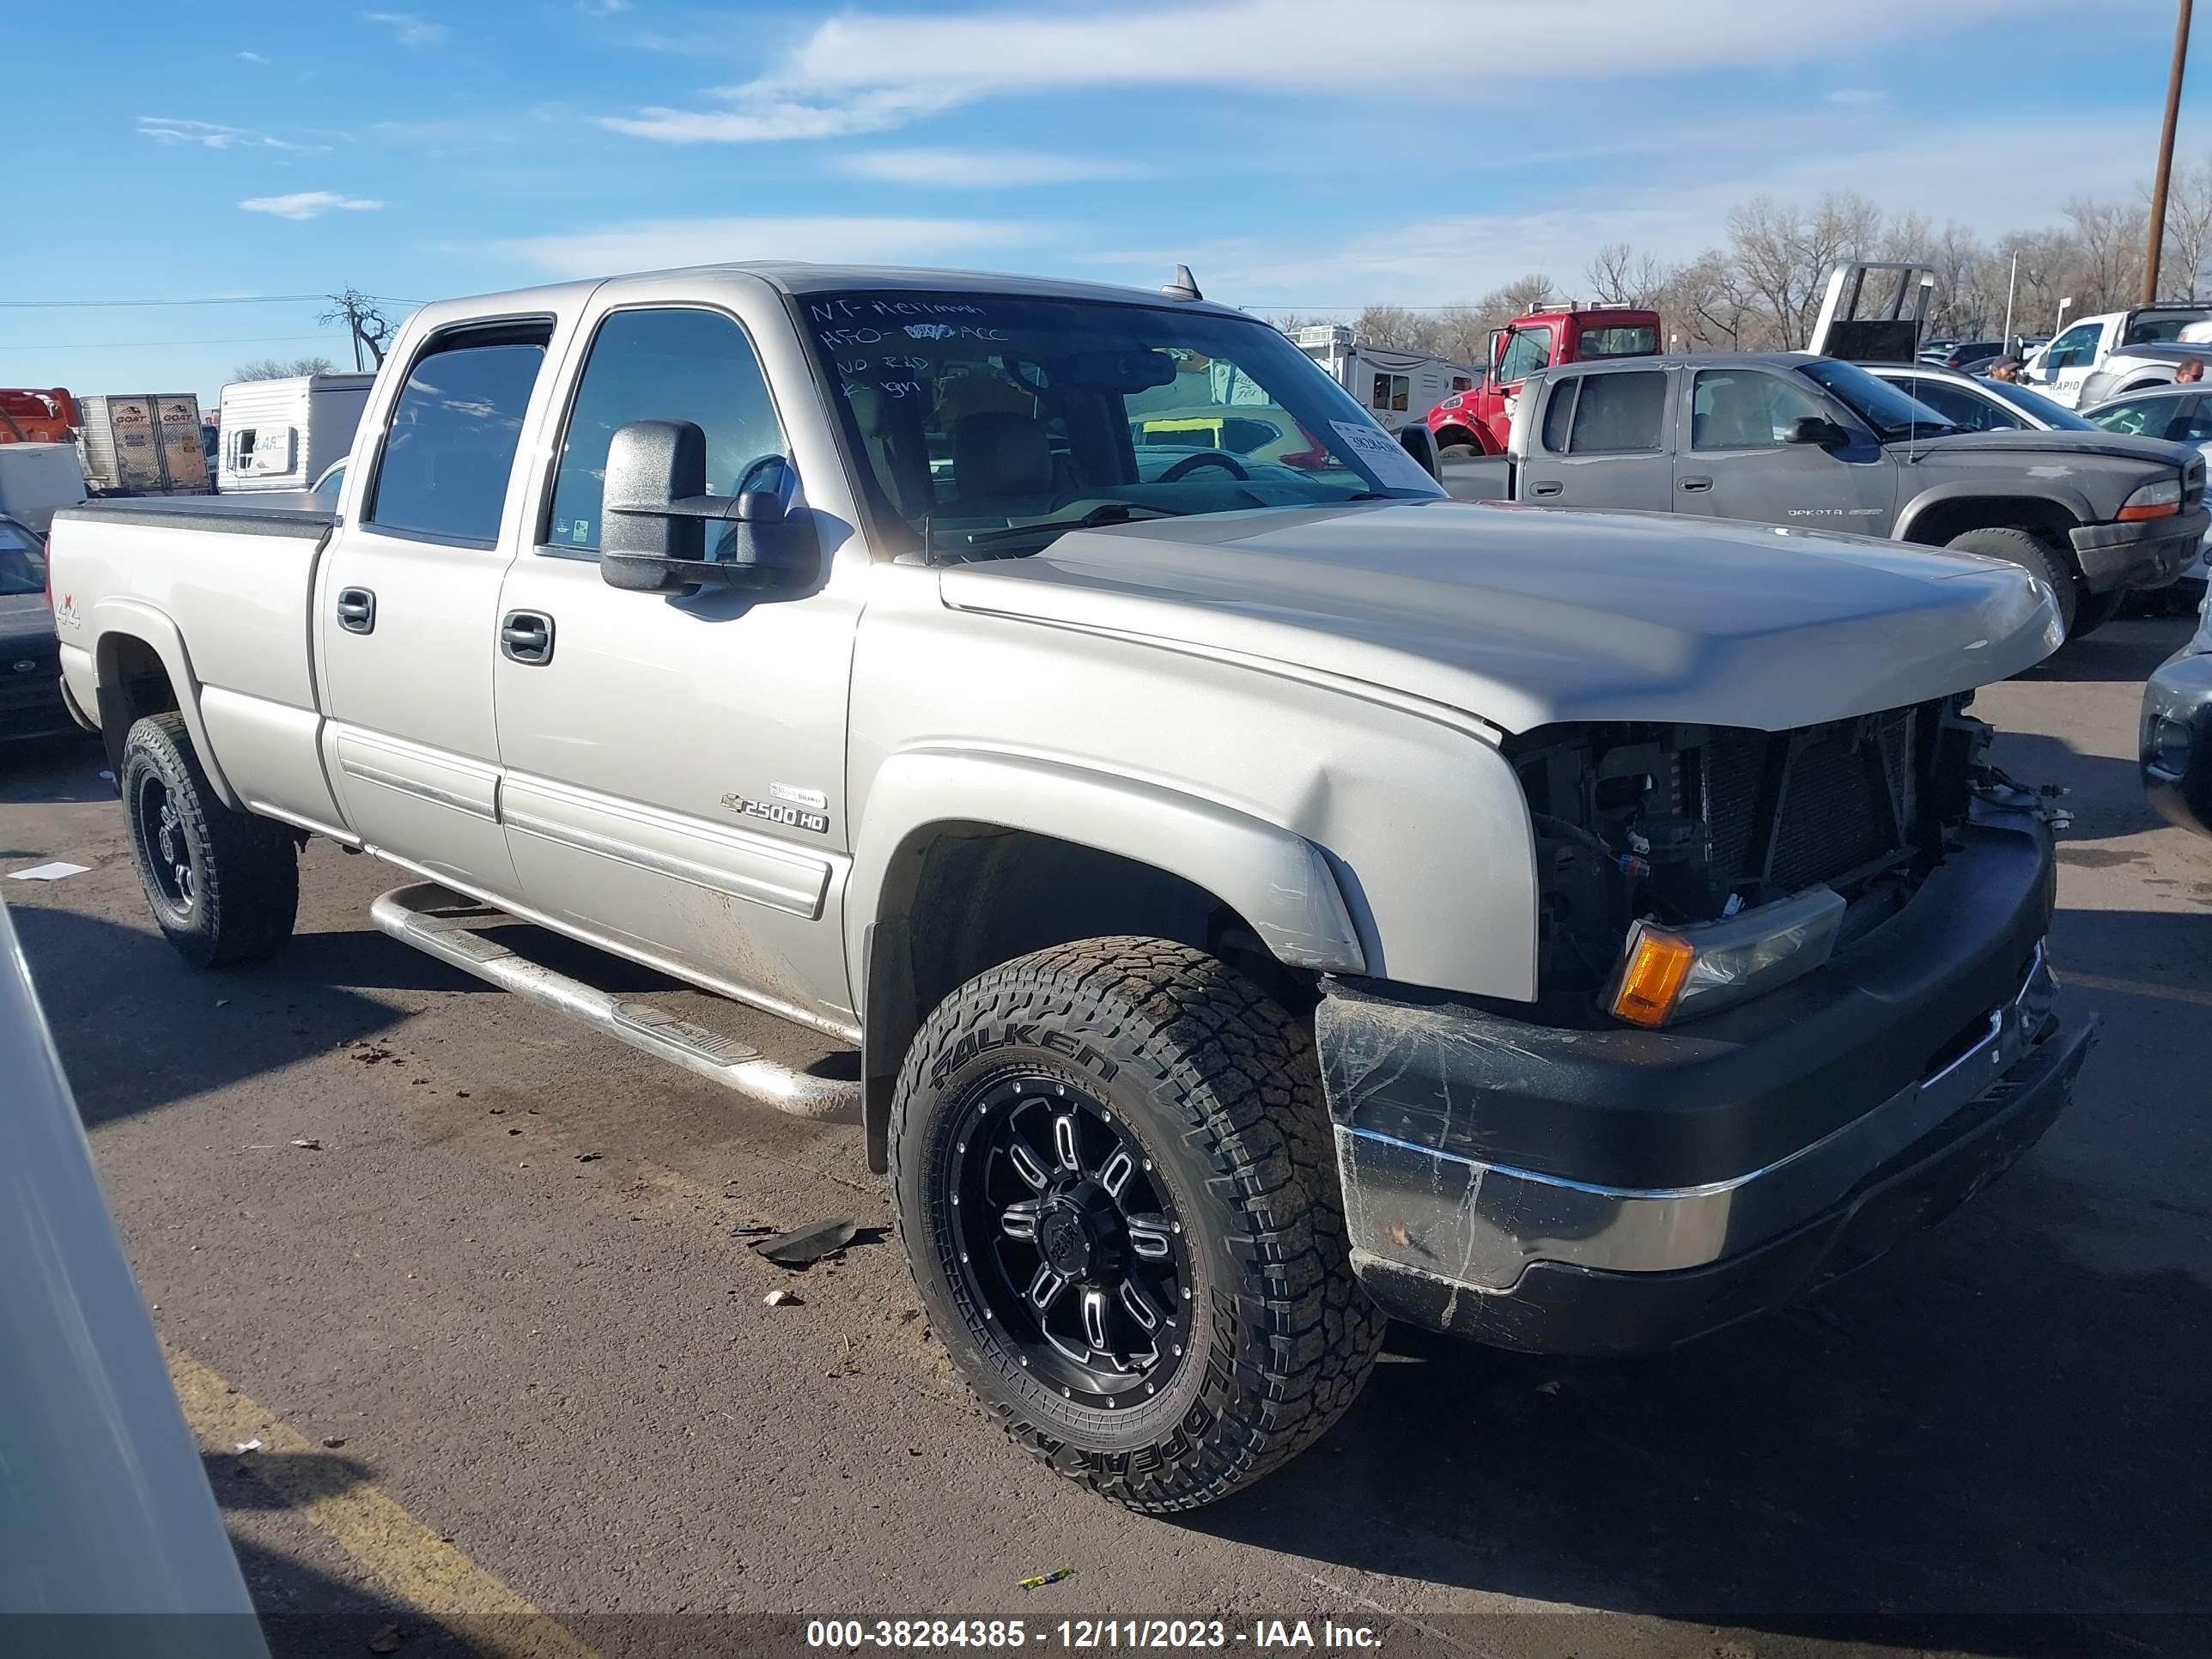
{"x": 2063, "y": 445}
{"x": 1522, "y": 617}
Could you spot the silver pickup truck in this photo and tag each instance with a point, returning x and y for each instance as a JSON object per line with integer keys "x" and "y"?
{"x": 1265, "y": 894}
{"x": 1789, "y": 438}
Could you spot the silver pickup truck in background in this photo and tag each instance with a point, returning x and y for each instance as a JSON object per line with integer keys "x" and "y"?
{"x": 1789, "y": 438}
{"x": 1264, "y": 895}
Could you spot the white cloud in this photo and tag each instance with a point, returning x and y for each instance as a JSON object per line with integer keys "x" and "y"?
{"x": 658, "y": 243}
{"x": 251, "y": 58}
{"x": 214, "y": 135}
{"x": 878, "y": 69}
{"x": 309, "y": 205}
{"x": 980, "y": 169}
{"x": 1997, "y": 175}
{"x": 407, "y": 28}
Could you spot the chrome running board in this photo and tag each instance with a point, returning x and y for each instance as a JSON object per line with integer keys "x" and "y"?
{"x": 410, "y": 915}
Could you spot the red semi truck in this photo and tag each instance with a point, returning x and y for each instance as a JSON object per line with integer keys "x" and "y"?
{"x": 1477, "y": 421}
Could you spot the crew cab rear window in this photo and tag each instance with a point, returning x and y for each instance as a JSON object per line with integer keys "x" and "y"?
{"x": 667, "y": 364}
{"x": 454, "y": 432}
{"x": 1618, "y": 413}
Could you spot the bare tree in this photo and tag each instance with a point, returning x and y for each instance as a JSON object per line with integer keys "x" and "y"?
{"x": 282, "y": 368}
{"x": 1394, "y": 328}
{"x": 2188, "y": 240}
{"x": 370, "y": 328}
{"x": 1619, "y": 275}
{"x": 2111, "y": 240}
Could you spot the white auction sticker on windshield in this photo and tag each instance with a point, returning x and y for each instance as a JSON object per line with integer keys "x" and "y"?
{"x": 1385, "y": 457}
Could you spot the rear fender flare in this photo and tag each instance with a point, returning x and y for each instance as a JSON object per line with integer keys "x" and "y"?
{"x": 117, "y": 619}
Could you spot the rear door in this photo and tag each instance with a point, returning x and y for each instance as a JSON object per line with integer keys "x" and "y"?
{"x": 407, "y": 607}
{"x": 1604, "y": 440}
{"x": 1739, "y": 463}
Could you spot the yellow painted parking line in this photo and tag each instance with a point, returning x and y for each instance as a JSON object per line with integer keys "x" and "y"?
{"x": 2136, "y": 988}
{"x": 413, "y": 1562}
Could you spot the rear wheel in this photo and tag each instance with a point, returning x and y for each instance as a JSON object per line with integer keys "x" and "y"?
{"x": 2033, "y": 555}
{"x": 2095, "y": 610}
{"x": 224, "y": 885}
{"x": 1115, "y": 1184}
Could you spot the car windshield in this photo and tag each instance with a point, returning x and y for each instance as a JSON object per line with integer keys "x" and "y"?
{"x": 978, "y": 415}
{"x": 23, "y": 570}
{"x": 1889, "y": 412}
{"x": 2034, "y": 403}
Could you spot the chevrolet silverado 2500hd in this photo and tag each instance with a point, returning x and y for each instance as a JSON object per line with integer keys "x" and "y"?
{"x": 1789, "y": 438}
{"x": 1264, "y": 895}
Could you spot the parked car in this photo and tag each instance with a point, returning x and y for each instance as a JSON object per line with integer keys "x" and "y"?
{"x": 1262, "y": 905}
{"x": 2178, "y": 414}
{"x": 2177, "y": 732}
{"x": 115, "y": 1547}
{"x": 2060, "y": 368}
{"x": 1973, "y": 403}
{"x": 31, "y": 703}
{"x": 1965, "y": 354}
{"x": 2139, "y": 368}
{"x": 1793, "y": 438}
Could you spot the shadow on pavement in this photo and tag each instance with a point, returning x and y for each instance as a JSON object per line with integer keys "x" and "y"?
{"x": 2104, "y": 794}
{"x": 47, "y": 769}
{"x": 138, "y": 1027}
{"x": 1962, "y": 1429}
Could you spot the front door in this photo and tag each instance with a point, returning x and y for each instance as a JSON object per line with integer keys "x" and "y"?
{"x": 406, "y": 607}
{"x": 1739, "y": 463}
{"x": 1604, "y": 441}
{"x": 675, "y": 763}
{"x": 2060, "y": 368}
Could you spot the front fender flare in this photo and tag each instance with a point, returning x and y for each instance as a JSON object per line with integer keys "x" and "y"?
{"x": 119, "y": 617}
{"x": 1278, "y": 881}
{"x": 2050, "y": 492}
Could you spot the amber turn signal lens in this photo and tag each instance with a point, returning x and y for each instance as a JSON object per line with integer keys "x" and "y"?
{"x": 1652, "y": 977}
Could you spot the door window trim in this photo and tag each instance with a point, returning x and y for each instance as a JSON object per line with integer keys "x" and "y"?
{"x": 540, "y": 530}
{"x": 514, "y": 328}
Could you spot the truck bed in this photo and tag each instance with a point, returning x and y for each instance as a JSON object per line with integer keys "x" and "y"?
{"x": 223, "y": 591}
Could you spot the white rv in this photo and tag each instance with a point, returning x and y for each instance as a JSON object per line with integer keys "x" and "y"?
{"x": 281, "y": 434}
{"x": 1396, "y": 387}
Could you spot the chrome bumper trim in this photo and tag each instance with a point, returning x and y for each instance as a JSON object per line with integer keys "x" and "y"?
{"x": 1479, "y": 1225}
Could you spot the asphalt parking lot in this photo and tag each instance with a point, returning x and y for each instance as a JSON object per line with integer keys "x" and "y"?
{"x": 508, "y": 1358}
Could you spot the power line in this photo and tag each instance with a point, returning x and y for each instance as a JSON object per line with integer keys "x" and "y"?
{"x": 212, "y": 299}
{"x": 148, "y": 345}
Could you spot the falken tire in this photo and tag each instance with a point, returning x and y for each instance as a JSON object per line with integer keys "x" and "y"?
{"x": 2031, "y": 554}
{"x": 224, "y": 886}
{"x": 1191, "y": 1070}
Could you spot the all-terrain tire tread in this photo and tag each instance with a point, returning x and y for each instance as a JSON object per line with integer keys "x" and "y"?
{"x": 249, "y": 892}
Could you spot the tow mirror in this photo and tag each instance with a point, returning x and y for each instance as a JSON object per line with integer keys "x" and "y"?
{"x": 1817, "y": 430}
{"x": 657, "y": 516}
{"x": 1420, "y": 443}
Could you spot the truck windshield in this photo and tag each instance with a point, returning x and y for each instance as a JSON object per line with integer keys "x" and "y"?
{"x": 1889, "y": 412}
{"x": 978, "y": 415}
{"x": 1624, "y": 340}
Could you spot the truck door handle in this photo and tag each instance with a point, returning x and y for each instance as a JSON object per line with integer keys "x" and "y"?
{"x": 1549, "y": 487}
{"x": 1695, "y": 485}
{"x": 357, "y": 610}
{"x": 526, "y": 636}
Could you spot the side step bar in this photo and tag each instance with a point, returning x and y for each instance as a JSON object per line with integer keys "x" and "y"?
{"x": 408, "y": 914}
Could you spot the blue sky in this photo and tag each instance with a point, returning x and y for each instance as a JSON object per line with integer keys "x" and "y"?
{"x": 1298, "y": 154}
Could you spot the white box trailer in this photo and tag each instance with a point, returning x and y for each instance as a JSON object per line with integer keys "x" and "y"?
{"x": 37, "y": 480}
{"x": 1396, "y": 387}
{"x": 142, "y": 444}
{"x": 280, "y": 435}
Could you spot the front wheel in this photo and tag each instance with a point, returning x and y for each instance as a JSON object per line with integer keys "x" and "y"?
{"x": 1115, "y": 1185}
{"x": 2031, "y": 554}
{"x": 224, "y": 885}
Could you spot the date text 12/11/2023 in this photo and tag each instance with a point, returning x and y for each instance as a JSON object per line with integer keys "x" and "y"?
{"x": 1095, "y": 1635}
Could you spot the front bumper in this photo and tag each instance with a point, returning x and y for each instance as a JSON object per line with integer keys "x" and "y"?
{"x": 1615, "y": 1191}
{"x": 2146, "y": 553}
{"x": 2177, "y": 737}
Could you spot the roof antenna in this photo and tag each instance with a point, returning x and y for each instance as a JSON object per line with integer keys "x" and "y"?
{"x": 1182, "y": 285}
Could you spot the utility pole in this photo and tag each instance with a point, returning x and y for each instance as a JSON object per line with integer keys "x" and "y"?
{"x": 2011, "y": 283}
{"x": 2166, "y": 157}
